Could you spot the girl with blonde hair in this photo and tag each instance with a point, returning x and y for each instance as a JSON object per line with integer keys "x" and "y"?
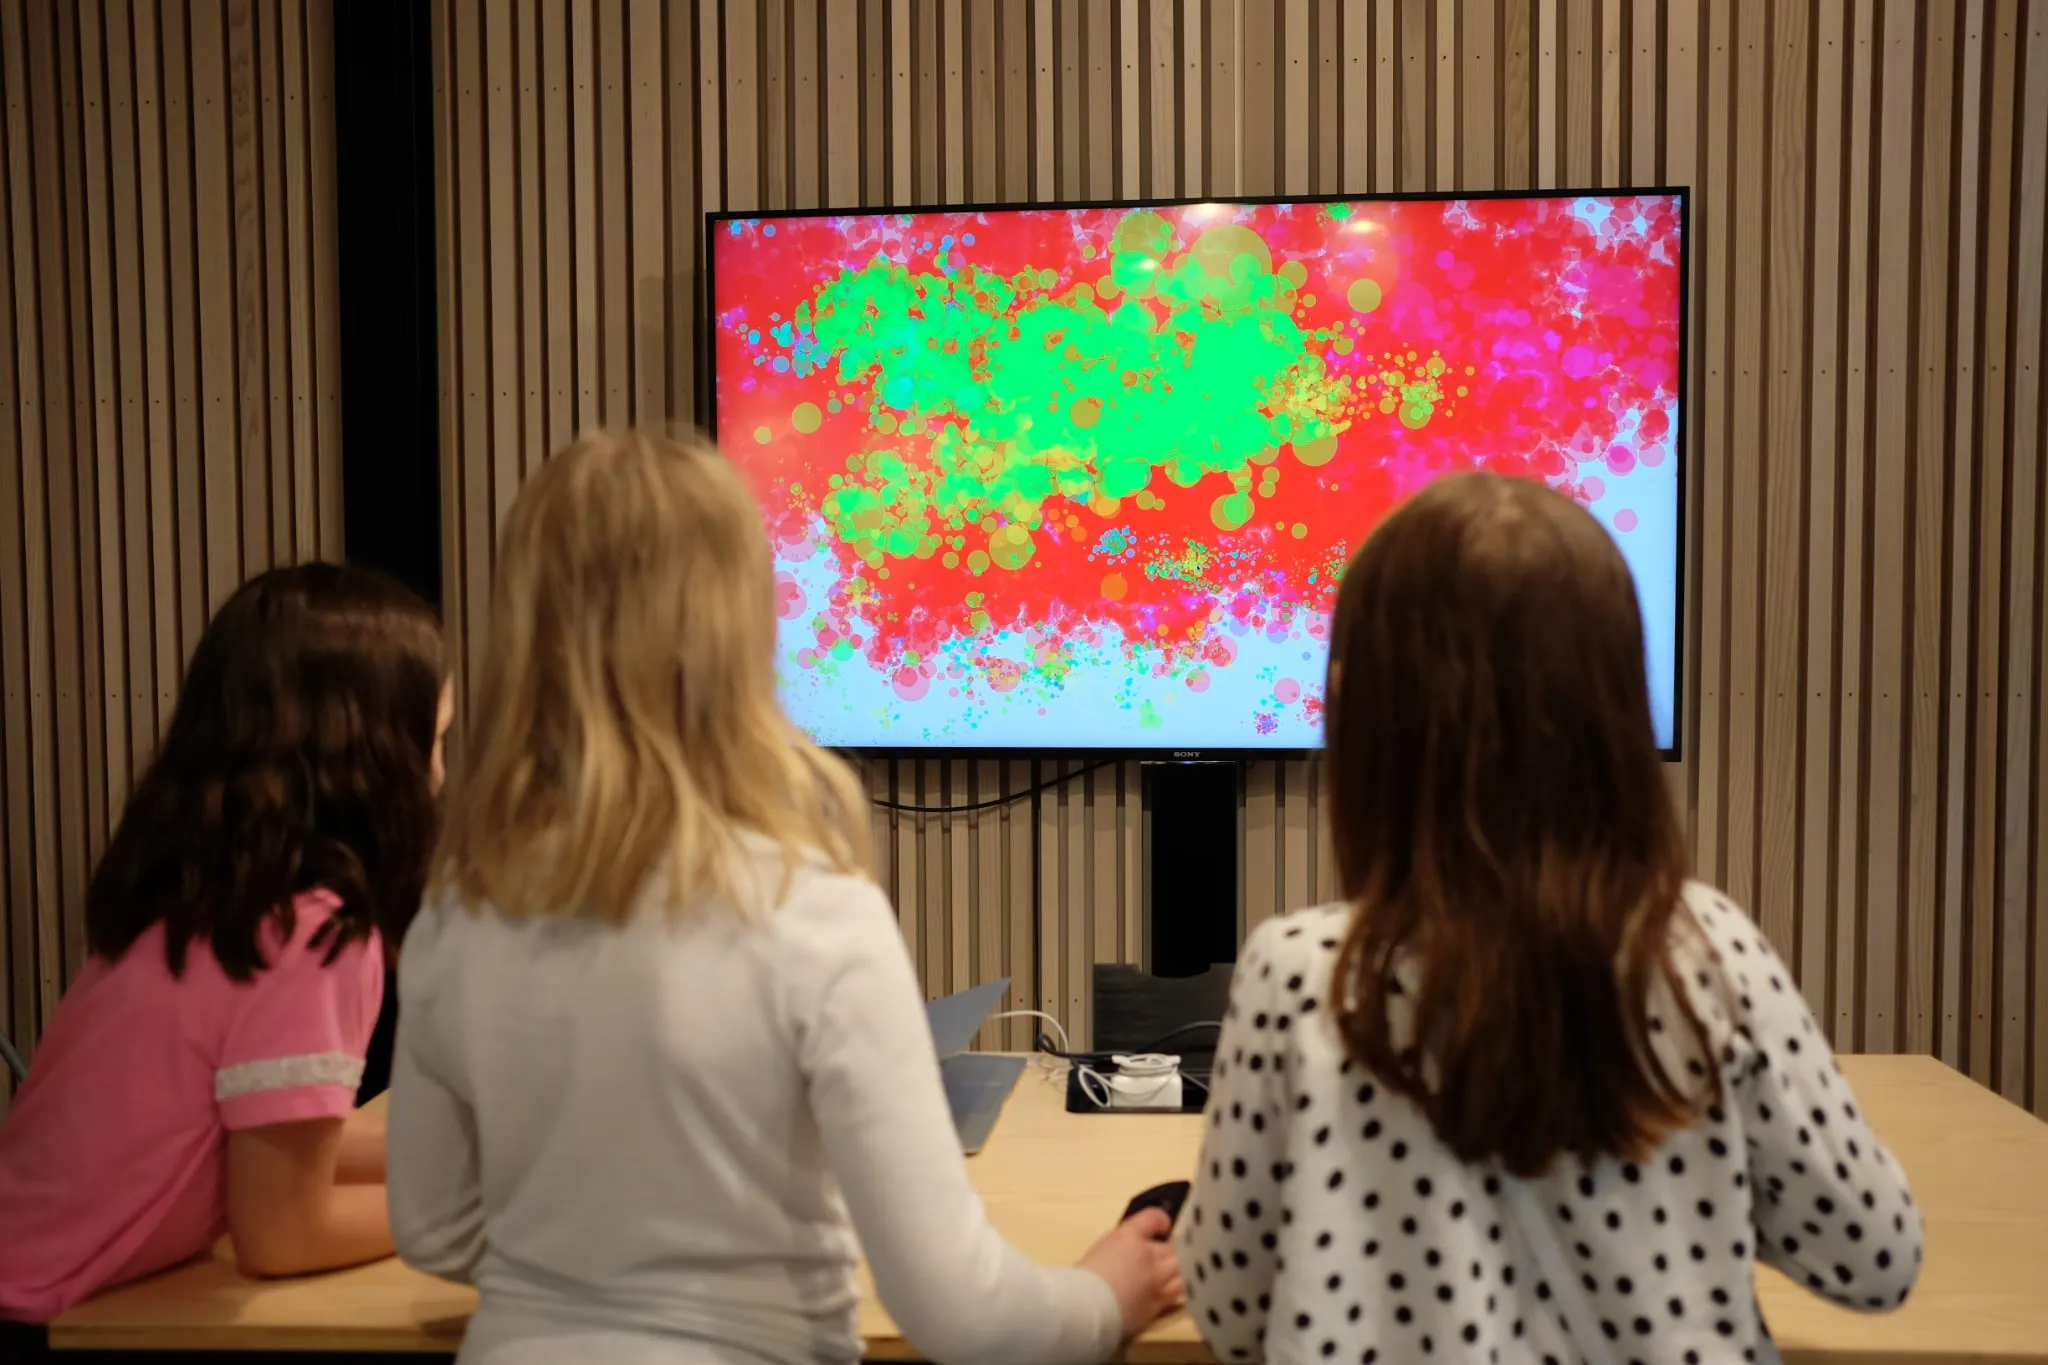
{"x": 659, "y": 1034}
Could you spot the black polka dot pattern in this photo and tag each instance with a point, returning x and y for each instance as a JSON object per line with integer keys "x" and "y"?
{"x": 1384, "y": 1247}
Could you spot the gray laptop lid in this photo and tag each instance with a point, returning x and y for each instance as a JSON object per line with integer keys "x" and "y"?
{"x": 956, "y": 1018}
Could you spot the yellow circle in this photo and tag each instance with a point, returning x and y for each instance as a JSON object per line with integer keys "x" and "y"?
{"x": 1319, "y": 451}
{"x": 806, "y": 418}
{"x": 763, "y": 435}
{"x": 1363, "y": 295}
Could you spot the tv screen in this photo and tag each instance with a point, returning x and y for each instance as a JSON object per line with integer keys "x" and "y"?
{"x": 1086, "y": 478}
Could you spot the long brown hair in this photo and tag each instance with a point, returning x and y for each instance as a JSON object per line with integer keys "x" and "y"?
{"x": 1503, "y": 829}
{"x": 625, "y": 721}
{"x": 297, "y": 758}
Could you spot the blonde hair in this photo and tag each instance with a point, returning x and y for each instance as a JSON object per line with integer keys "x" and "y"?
{"x": 625, "y": 722}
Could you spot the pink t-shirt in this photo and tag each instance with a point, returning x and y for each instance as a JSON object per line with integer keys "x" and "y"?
{"x": 113, "y": 1162}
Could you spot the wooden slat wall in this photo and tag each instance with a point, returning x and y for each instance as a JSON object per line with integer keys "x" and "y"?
{"x": 169, "y": 391}
{"x": 1865, "y": 704}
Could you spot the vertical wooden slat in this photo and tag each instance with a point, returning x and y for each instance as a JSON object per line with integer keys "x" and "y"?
{"x": 268, "y": 115}
{"x": 1069, "y": 87}
{"x": 1195, "y": 77}
{"x": 1954, "y": 916}
{"x": 1019, "y": 897}
{"x": 1788, "y": 377}
{"x": 741, "y": 105}
{"x": 806, "y": 134}
{"x": 1549, "y": 99}
{"x": 1890, "y": 494}
{"x": 1444, "y": 71}
{"x": 1130, "y": 105}
{"x": 1517, "y": 62}
{"x": 984, "y": 160}
{"x": 1853, "y": 570}
{"x": 649, "y": 201}
{"x": 182, "y": 277}
{"x": 1414, "y": 63}
{"x": 1987, "y": 696}
{"x": 685, "y": 225}
{"x": 774, "y": 97}
{"x": 1163, "y": 116}
{"x": 1355, "y": 98}
{"x": 1715, "y": 215}
{"x": 1259, "y": 870}
{"x": 1645, "y": 85}
{"x": 2025, "y": 875}
{"x": 713, "y": 125}
{"x": 1259, "y": 151}
{"x": 158, "y": 393}
{"x": 499, "y": 80}
{"x": 1926, "y": 659}
{"x": 300, "y": 299}
{"x": 139, "y": 553}
{"x": 106, "y": 641}
{"x": 449, "y": 302}
{"x": 1747, "y": 496}
{"x": 74, "y": 536}
{"x": 472, "y": 339}
{"x": 961, "y": 918}
{"x": 1105, "y": 882}
{"x": 875, "y": 106}
{"x": 1612, "y": 136}
{"x": 1325, "y": 82}
{"x": 1014, "y": 119}
{"x": 1225, "y": 153}
{"x": 842, "y": 150}
{"x": 553, "y": 186}
{"x": 1387, "y": 65}
{"x": 323, "y": 321}
{"x": 1292, "y": 72}
{"x": 1044, "y": 121}
{"x": 1479, "y": 77}
{"x": 1579, "y": 119}
{"x": 1296, "y": 889}
{"x": 953, "y": 110}
{"x": 1816, "y": 895}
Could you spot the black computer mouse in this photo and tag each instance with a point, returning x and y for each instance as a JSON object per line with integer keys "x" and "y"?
{"x": 1169, "y": 1197}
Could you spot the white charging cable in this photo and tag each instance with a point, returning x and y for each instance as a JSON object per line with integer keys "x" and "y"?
{"x": 1051, "y": 1070}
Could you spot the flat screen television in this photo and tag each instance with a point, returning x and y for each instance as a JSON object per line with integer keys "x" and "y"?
{"x": 1084, "y": 478}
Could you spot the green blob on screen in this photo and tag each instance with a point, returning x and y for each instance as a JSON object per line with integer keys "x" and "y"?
{"x": 1183, "y": 364}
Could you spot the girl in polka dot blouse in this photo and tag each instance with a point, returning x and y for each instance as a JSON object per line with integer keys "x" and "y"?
{"x": 1529, "y": 1093}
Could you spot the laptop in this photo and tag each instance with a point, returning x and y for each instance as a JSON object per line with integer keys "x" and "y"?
{"x": 977, "y": 1083}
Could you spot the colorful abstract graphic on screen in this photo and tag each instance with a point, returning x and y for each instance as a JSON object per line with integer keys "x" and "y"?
{"x": 1060, "y": 479}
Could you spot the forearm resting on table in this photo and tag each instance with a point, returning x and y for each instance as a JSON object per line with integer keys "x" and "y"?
{"x": 286, "y": 1213}
{"x": 360, "y": 1161}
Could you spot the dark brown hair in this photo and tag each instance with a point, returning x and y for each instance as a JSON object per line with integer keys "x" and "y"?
{"x": 1502, "y": 827}
{"x": 297, "y": 758}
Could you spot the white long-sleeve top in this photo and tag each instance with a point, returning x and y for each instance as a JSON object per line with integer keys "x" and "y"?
{"x": 645, "y": 1142}
{"x": 1328, "y": 1223}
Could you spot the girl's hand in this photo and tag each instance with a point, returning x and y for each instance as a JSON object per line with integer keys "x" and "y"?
{"x": 1138, "y": 1263}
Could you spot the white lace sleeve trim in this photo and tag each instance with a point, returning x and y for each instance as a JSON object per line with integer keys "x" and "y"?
{"x": 287, "y": 1073}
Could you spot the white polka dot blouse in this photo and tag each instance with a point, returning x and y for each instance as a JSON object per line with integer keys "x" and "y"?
{"x": 1327, "y": 1223}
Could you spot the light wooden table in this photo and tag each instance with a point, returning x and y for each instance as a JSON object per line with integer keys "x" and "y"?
{"x": 1053, "y": 1181}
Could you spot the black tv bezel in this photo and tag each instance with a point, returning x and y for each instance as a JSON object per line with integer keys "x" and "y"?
{"x": 707, "y": 331}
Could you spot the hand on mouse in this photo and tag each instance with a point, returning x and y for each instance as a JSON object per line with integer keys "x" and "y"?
{"x": 1137, "y": 1261}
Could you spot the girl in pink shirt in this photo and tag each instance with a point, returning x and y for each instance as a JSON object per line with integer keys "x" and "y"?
{"x": 199, "y": 1077}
